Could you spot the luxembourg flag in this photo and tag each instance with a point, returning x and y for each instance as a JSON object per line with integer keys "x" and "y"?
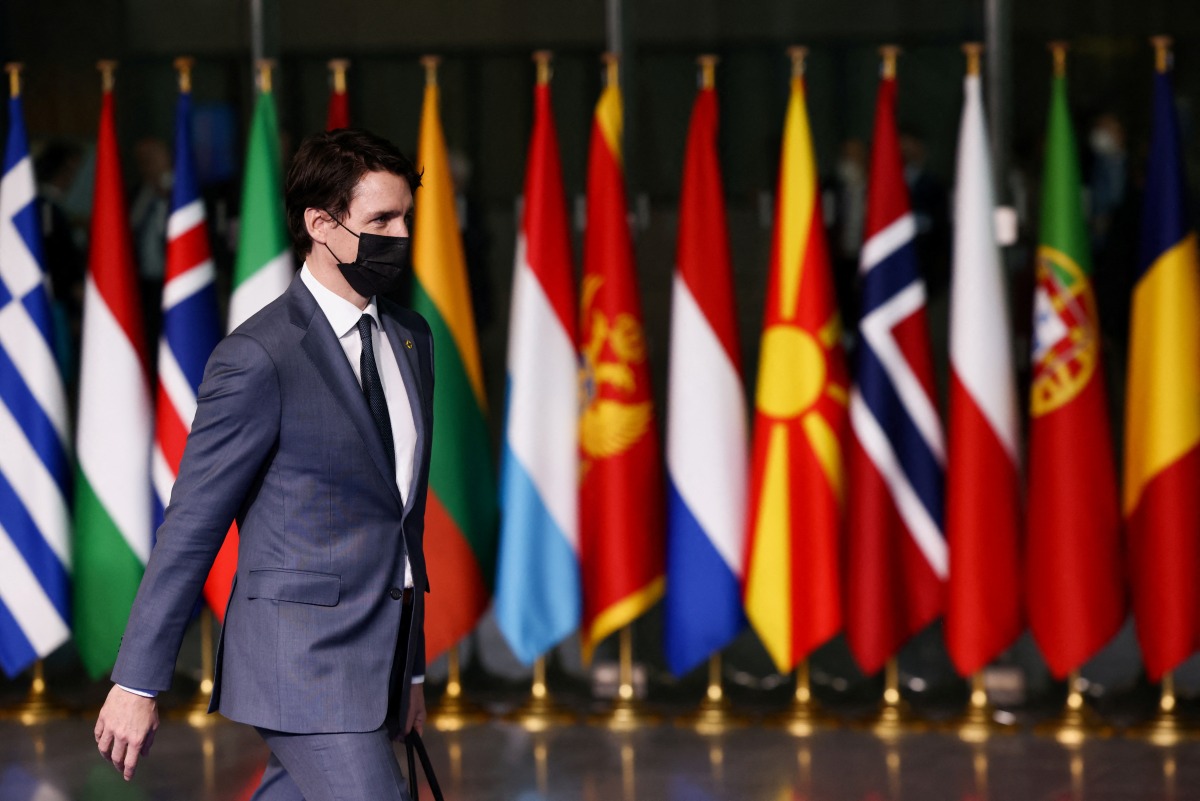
{"x": 706, "y": 415}
{"x": 537, "y": 599}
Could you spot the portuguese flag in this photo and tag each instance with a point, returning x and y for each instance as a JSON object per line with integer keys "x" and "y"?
{"x": 460, "y": 515}
{"x": 1072, "y": 560}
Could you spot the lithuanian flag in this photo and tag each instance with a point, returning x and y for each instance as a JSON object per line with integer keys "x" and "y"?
{"x": 792, "y": 588}
{"x": 460, "y": 515}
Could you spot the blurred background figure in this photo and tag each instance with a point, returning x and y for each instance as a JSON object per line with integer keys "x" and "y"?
{"x": 148, "y": 220}
{"x": 930, "y": 208}
{"x": 848, "y": 192}
{"x": 1109, "y": 174}
{"x": 57, "y": 168}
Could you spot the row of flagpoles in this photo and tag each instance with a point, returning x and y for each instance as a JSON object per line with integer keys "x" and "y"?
{"x": 850, "y": 507}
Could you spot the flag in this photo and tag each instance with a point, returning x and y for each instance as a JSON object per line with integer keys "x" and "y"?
{"x": 983, "y": 501}
{"x": 113, "y": 526}
{"x": 1162, "y": 408}
{"x": 896, "y": 557}
{"x": 537, "y": 574}
{"x": 190, "y": 326}
{"x": 460, "y": 516}
{"x": 792, "y": 589}
{"x": 35, "y": 533}
{"x": 338, "y": 115}
{"x": 620, "y": 500}
{"x": 1073, "y": 575}
{"x": 706, "y": 415}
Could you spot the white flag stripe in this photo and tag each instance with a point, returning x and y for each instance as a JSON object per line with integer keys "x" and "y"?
{"x": 25, "y": 472}
{"x": 539, "y": 347}
{"x": 184, "y": 285}
{"x": 185, "y": 219}
{"x": 21, "y": 271}
{"x": 895, "y": 236}
{"x": 31, "y": 354}
{"x": 176, "y": 385}
{"x": 162, "y": 476}
{"x": 23, "y": 596}
{"x": 706, "y": 427}
{"x": 980, "y": 335}
{"x": 114, "y": 431}
{"x": 925, "y": 530}
{"x": 267, "y": 283}
{"x": 877, "y": 330}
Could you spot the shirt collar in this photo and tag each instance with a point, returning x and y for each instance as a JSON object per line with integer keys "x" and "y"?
{"x": 342, "y": 315}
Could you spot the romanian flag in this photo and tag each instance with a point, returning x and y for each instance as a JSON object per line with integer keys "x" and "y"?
{"x": 1162, "y": 408}
{"x": 1073, "y": 576}
{"x": 338, "y": 114}
{"x": 792, "y": 592}
{"x": 460, "y": 516}
{"x": 621, "y": 489}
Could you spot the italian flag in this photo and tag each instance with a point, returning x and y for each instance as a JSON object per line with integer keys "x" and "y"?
{"x": 460, "y": 515}
{"x": 113, "y": 529}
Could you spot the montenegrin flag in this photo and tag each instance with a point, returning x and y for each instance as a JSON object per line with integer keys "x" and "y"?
{"x": 1074, "y": 583}
{"x": 35, "y": 462}
{"x": 896, "y": 555}
{"x": 1162, "y": 407}
{"x": 113, "y": 527}
{"x": 620, "y": 504}
{"x": 537, "y": 574}
{"x": 983, "y": 497}
{"x": 792, "y": 591}
{"x": 460, "y": 516}
{"x": 706, "y": 415}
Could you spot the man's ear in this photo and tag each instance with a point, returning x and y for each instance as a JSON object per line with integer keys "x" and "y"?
{"x": 318, "y": 224}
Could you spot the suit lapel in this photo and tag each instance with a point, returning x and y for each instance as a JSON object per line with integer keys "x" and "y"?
{"x": 405, "y": 351}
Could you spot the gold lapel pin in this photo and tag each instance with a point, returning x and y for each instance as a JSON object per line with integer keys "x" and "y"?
{"x": 408, "y": 344}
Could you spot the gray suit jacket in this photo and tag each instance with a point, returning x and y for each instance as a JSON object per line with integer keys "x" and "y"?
{"x": 284, "y": 442}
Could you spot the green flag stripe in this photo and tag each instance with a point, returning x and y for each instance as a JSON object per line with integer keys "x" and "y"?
{"x": 107, "y": 574}
{"x": 460, "y": 473}
{"x": 263, "y": 232}
{"x": 1063, "y": 226}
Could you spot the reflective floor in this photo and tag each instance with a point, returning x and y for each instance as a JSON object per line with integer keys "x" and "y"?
{"x": 497, "y": 761}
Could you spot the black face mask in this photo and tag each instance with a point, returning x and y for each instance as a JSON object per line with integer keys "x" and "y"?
{"x": 382, "y": 263}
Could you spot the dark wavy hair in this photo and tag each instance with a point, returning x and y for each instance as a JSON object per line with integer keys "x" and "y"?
{"x": 327, "y": 168}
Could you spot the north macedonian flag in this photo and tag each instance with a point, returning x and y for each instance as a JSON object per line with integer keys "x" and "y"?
{"x": 621, "y": 484}
{"x": 792, "y": 591}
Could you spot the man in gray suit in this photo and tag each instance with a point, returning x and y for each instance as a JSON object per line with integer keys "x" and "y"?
{"x": 313, "y": 429}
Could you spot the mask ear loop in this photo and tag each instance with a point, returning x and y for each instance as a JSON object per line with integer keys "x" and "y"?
{"x": 336, "y": 222}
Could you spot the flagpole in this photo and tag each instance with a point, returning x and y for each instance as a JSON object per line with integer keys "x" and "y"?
{"x": 805, "y": 715}
{"x": 627, "y": 713}
{"x": 540, "y": 711}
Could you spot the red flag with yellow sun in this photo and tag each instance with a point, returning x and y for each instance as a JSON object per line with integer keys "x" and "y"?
{"x": 792, "y": 588}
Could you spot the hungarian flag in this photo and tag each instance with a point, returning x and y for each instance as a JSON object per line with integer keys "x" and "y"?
{"x": 983, "y": 496}
{"x": 792, "y": 592}
{"x": 706, "y": 415}
{"x": 262, "y": 271}
{"x": 896, "y": 554}
{"x": 1162, "y": 407}
{"x": 537, "y": 575}
{"x": 620, "y": 502}
{"x": 338, "y": 114}
{"x": 113, "y": 527}
{"x": 460, "y": 516}
{"x": 1073, "y": 574}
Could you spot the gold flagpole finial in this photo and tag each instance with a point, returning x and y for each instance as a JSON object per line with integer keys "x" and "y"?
{"x": 612, "y": 69}
{"x": 708, "y": 70}
{"x": 264, "y": 66}
{"x": 889, "y": 54}
{"x": 797, "y": 54}
{"x": 13, "y": 68}
{"x": 543, "y": 58}
{"x": 107, "y": 68}
{"x": 1162, "y": 52}
{"x": 430, "y": 63}
{"x": 1059, "y": 49}
{"x": 184, "y": 65}
{"x": 974, "y": 51}
{"x": 338, "y": 67}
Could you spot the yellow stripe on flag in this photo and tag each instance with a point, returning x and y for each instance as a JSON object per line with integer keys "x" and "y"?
{"x": 768, "y": 580}
{"x": 611, "y": 119}
{"x": 1164, "y": 368}
{"x": 797, "y": 197}
{"x": 826, "y": 448}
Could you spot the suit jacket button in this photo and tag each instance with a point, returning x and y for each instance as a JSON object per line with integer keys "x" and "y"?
{"x": 396, "y": 593}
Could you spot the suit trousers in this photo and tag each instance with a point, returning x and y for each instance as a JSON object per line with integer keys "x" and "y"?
{"x": 347, "y": 766}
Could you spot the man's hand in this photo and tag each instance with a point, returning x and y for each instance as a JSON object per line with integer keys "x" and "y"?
{"x": 126, "y": 725}
{"x": 416, "y": 710}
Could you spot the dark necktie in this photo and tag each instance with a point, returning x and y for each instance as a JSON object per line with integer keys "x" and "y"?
{"x": 372, "y": 387}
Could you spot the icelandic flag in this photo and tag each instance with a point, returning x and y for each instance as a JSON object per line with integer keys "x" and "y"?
{"x": 537, "y": 598}
{"x": 35, "y": 532}
{"x": 191, "y": 326}
{"x": 897, "y": 558}
{"x": 706, "y": 417}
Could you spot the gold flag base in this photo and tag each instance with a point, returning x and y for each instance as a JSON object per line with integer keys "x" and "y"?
{"x": 540, "y": 712}
{"x": 804, "y": 716}
{"x": 453, "y": 712}
{"x": 715, "y": 715}
{"x": 37, "y": 708}
{"x": 1165, "y": 728}
{"x": 978, "y": 724}
{"x": 1077, "y": 722}
{"x": 626, "y": 715}
{"x": 895, "y": 715}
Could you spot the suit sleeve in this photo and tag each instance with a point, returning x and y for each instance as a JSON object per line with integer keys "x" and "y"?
{"x": 233, "y": 434}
